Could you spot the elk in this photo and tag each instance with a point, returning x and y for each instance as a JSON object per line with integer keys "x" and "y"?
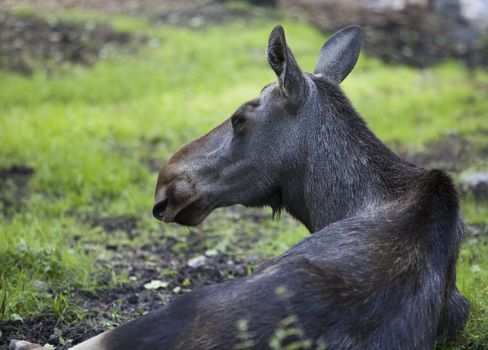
{"x": 378, "y": 271}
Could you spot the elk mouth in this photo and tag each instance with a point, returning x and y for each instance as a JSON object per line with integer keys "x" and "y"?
{"x": 189, "y": 214}
{"x": 159, "y": 208}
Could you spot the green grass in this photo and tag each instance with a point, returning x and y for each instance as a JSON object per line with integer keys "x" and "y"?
{"x": 89, "y": 133}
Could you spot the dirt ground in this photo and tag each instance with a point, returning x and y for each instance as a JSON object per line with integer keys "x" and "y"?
{"x": 412, "y": 36}
{"x": 453, "y": 153}
{"x": 13, "y": 185}
{"x": 28, "y": 41}
{"x": 192, "y": 13}
{"x": 132, "y": 7}
{"x": 173, "y": 265}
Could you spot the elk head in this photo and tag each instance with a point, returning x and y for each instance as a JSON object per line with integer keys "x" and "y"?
{"x": 252, "y": 156}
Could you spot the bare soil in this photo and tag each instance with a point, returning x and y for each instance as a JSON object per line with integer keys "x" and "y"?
{"x": 28, "y": 41}
{"x": 453, "y": 153}
{"x": 129, "y": 7}
{"x": 165, "y": 259}
{"x": 215, "y": 12}
{"x": 412, "y": 36}
{"x": 13, "y": 187}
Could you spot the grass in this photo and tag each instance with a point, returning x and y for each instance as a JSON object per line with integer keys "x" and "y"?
{"x": 89, "y": 133}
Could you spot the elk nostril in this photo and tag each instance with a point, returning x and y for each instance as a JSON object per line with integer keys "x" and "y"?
{"x": 159, "y": 208}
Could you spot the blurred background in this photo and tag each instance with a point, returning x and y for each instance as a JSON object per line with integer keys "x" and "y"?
{"x": 96, "y": 95}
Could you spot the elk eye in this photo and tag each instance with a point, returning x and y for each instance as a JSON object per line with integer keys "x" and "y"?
{"x": 237, "y": 122}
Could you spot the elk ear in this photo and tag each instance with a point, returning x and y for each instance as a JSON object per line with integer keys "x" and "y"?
{"x": 339, "y": 54}
{"x": 283, "y": 63}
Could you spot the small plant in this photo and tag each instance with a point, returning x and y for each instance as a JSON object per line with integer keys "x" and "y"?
{"x": 60, "y": 306}
{"x": 3, "y": 304}
{"x": 290, "y": 336}
{"x": 244, "y": 335}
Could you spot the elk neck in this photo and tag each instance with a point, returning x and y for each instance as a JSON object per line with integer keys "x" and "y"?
{"x": 346, "y": 171}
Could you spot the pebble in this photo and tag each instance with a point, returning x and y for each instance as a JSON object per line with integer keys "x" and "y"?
{"x": 197, "y": 261}
{"x": 156, "y": 284}
{"x": 211, "y": 252}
